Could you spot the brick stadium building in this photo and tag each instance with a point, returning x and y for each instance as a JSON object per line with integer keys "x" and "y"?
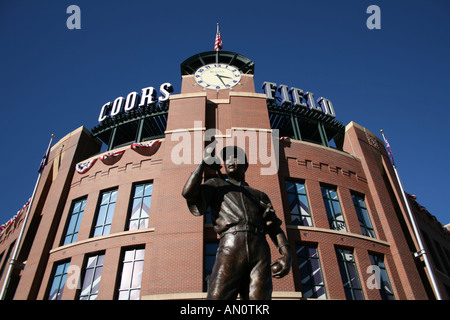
{"x": 108, "y": 220}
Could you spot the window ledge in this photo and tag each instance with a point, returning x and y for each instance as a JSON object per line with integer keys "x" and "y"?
{"x": 340, "y": 233}
{"x": 99, "y": 238}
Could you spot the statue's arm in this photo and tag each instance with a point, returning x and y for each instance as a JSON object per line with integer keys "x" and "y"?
{"x": 278, "y": 237}
{"x": 191, "y": 190}
{"x": 198, "y": 195}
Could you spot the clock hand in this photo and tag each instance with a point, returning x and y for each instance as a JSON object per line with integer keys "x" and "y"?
{"x": 220, "y": 78}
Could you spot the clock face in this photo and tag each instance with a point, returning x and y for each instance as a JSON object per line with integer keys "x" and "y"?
{"x": 217, "y": 76}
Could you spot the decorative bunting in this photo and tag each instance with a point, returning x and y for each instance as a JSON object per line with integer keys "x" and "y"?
{"x": 146, "y": 149}
{"x": 14, "y": 219}
{"x": 151, "y": 144}
{"x": 111, "y": 157}
{"x": 85, "y": 166}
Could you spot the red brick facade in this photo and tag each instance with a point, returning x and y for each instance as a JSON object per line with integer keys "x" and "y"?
{"x": 174, "y": 240}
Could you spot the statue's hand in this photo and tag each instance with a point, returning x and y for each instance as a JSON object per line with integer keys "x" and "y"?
{"x": 212, "y": 162}
{"x": 281, "y": 266}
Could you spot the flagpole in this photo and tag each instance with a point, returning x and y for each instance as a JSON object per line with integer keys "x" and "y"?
{"x": 217, "y": 51}
{"x": 15, "y": 254}
{"x": 422, "y": 251}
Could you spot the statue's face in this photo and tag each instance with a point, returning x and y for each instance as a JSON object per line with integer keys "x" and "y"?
{"x": 233, "y": 168}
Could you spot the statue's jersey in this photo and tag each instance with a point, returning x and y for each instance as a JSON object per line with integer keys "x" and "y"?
{"x": 235, "y": 206}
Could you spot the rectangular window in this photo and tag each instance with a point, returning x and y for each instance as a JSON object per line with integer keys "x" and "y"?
{"x": 298, "y": 204}
{"x": 92, "y": 276}
{"x": 333, "y": 207}
{"x": 74, "y": 221}
{"x": 132, "y": 268}
{"x": 140, "y": 208}
{"x": 210, "y": 259}
{"x": 105, "y": 213}
{"x": 313, "y": 285}
{"x": 349, "y": 274}
{"x": 363, "y": 216}
{"x": 58, "y": 281}
{"x": 385, "y": 288}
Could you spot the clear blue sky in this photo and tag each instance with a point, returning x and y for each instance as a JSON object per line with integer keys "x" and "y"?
{"x": 53, "y": 80}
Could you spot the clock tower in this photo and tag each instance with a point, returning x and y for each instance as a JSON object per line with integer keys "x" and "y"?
{"x": 231, "y": 72}
{"x": 216, "y": 92}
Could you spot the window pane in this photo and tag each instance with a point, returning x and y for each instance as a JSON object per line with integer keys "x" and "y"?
{"x": 106, "y": 229}
{"x": 386, "y": 291}
{"x": 313, "y": 285}
{"x": 97, "y": 278}
{"x": 298, "y": 204}
{"x": 77, "y": 206}
{"x": 333, "y": 208}
{"x": 363, "y": 216}
{"x": 137, "y": 274}
{"x": 92, "y": 277}
{"x": 139, "y": 254}
{"x": 148, "y": 189}
{"x": 333, "y": 194}
{"x": 337, "y": 210}
{"x": 101, "y": 215}
{"x": 113, "y": 196}
{"x": 87, "y": 281}
{"x": 140, "y": 208}
{"x": 290, "y": 187}
{"x": 146, "y": 207}
{"x": 134, "y": 294}
{"x": 349, "y": 275}
{"x": 139, "y": 190}
{"x": 125, "y": 282}
{"x": 105, "y": 213}
{"x": 133, "y": 225}
{"x": 136, "y": 208}
{"x": 98, "y": 231}
{"x": 91, "y": 262}
{"x": 110, "y": 214}
{"x": 131, "y": 277}
{"x": 143, "y": 224}
{"x": 303, "y": 201}
{"x": 123, "y": 295}
{"x": 105, "y": 198}
{"x": 74, "y": 222}
{"x": 293, "y": 205}
{"x": 300, "y": 188}
{"x": 54, "y": 288}
{"x": 58, "y": 281}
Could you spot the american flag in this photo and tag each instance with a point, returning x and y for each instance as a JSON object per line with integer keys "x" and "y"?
{"x": 389, "y": 150}
{"x": 218, "y": 43}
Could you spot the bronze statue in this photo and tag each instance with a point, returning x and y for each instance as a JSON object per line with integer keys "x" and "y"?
{"x": 242, "y": 216}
